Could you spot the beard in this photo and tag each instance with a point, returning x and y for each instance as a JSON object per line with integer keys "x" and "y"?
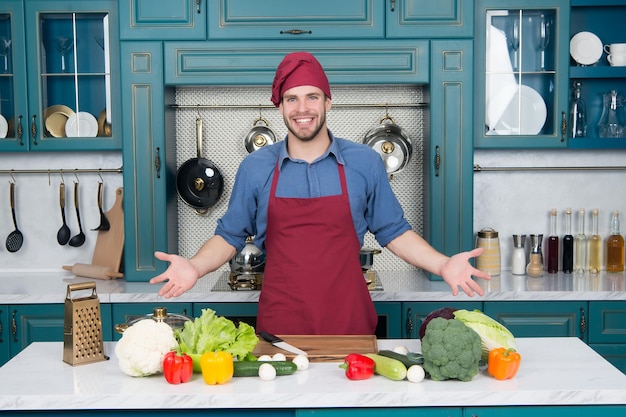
{"x": 306, "y": 136}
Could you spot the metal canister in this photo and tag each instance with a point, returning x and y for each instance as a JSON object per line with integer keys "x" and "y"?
{"x": 489, "y": 260}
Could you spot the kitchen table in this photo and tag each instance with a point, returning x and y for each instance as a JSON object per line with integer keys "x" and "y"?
{"x": 555, "y": 372}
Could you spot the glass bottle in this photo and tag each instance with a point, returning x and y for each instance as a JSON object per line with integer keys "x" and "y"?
{"x": 553, "y": 245}
{"x": 580, "y": 245}
{"x": 595, "y": 245}
{"x": 519, "y": 255}
{"x": 568, "y": 244}
{"x": 611, "y": 124}
{"x": 578, "y": 114}
{"x": 615, "y": 247}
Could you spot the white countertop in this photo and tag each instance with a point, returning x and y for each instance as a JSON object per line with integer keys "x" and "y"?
{"x": 554, "y": 371}
{"x": 21, "y": 287}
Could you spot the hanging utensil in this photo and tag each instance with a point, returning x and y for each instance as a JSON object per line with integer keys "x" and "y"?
{"x": 63, "y": 235}
{"x": 392, "y": 143}
{"x": 79, "y": 239}
{"x": 259, "y": 136}
{"x": 104, "y": 222}
{"x": 15, "y": 238}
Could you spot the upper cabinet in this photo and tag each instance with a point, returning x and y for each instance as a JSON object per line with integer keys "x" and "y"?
{"x": 59, "y": 83}
{"x": 429, "y": 19}
{"x": 279, "y": 19}
{"x": 521, "y": 69}
{"x": 595, "y": 24}
{"x": 163, "y": 19}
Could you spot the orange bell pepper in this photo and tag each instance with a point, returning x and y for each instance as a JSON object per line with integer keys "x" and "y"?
{"x": 503, "y": 363}
{"x": 217, "y": 367}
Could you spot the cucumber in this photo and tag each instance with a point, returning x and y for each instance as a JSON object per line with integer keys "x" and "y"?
{"x": 388, "y": 367}
{"x": 251, "y": 368}
{"x": 408, "y": 360}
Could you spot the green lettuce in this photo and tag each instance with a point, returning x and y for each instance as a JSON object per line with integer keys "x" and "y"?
{"x": 492, "y": 333}
{"x": 211, "y": 332}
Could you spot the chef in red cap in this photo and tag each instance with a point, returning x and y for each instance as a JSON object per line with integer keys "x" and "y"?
{"x": 308, "y": 201}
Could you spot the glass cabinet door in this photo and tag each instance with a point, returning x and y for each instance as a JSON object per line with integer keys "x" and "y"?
{"x": 12, "y": 77}
{"x": 521, "y": 85}
{"x": 71, "y": 83}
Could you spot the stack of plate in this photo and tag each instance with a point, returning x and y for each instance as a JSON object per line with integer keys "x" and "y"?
{"x": 56, "y": 118}
{"x": 63, "y": 122}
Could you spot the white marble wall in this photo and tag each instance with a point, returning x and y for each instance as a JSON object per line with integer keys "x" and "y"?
{"x": 517, "y": 202}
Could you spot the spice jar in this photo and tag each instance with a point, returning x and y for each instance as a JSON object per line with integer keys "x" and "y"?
{"x": 489, "y": 260}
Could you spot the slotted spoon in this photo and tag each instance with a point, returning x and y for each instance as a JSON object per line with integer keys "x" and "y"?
{"x": 15, "y": 238}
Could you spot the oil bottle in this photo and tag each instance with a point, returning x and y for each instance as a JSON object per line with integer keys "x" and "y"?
{"x": 580, "y": 245}
{"x": 595, "y": 245}
{"x": 615, "y": 247}
{"x": 553, "y": 245}
{"x": 568, "y": 244}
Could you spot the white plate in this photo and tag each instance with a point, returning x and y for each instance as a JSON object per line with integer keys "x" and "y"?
{"x": 81, "y": 124}
{"x": 524, "y": 113}
{"x": 586, "y": 48}
{"x": 4, "y": 127}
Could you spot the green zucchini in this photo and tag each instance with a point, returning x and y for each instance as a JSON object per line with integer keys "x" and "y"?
{"x": 388, "y": 367}
{"x": 408, "y": 360}
{"x": 251, "y": 368}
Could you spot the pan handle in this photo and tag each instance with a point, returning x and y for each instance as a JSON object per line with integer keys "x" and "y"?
{"x": 199, "y": 136}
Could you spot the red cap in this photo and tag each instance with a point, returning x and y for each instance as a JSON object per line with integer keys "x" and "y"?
{"x": 296, "y": 69}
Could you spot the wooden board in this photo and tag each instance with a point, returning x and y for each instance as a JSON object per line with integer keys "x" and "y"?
{"x": 110, "y": 243}
{"x": 322, "y": 348}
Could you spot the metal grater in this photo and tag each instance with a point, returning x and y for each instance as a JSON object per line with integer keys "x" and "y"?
{"x": 82, "y": 339}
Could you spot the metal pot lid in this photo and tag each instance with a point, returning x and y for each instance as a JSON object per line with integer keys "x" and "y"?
{"x": 159, "y": 314}
{"x": 391, "y": 143}
{"x": 259, "y": 136}
{"x": 200, "y": 183}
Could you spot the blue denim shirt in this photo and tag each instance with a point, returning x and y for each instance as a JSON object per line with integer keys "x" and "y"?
{"x": 373, "y": 204}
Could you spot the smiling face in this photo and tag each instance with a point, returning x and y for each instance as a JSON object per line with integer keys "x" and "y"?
{"x": 304, "y": 111}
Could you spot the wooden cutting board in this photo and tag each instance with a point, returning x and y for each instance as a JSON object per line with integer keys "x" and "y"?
{"x": 322, "y": 348}
{"x": 110, "y": 243}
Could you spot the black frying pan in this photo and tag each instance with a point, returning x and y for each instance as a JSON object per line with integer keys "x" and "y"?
{"x": 199, "y": 181}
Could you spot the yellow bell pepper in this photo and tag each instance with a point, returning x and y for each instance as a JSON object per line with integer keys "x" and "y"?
{"x": 217, "y": 367}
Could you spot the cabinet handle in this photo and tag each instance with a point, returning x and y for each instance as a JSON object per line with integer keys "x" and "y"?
{"x": 198, "y": 5}
{"x": 583, "y": 323}
{"x": 33, "y": 129}
{"x": 296, "y": 32}
{"x": 14, "y": 326}
{"x": 20, "y": 130}
{"x": 157, "y": 163}
{"x": 563, "y": 126}
{"x": 393, "y": 5}
{"x": 409, "y": 323}
{"x": 437, "y": 160}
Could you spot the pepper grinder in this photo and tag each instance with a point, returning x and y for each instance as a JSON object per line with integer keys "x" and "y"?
{"x": 519, "y": 256}
{"x": 535, "y": 266}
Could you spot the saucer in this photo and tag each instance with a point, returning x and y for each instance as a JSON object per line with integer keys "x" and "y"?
{"x": 586, "y": 48}
{"x": 81, "y": 124}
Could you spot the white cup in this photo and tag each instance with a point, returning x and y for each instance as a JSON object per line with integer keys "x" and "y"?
{"x": 617, "y": 60}
{"x": 615, "y": 48}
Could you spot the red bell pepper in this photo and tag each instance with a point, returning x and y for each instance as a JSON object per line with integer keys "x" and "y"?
{"x": 177, "y": 368}
{"x": 358, "y": 366}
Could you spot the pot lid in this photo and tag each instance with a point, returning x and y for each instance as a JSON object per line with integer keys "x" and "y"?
{"x": 160, "y": 314}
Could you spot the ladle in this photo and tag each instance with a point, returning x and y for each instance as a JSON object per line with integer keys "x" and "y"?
{"x": 104, "y": 222}
{"x": 63, "y": 235}
{"x": 15, "y": 238}
{"x": 78, "y": 239}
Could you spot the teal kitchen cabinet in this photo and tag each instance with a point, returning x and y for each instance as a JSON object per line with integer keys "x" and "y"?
{"x": 607, "y": 331}
{"x": 163, "y": 19}
{"x": 13, "y": 100}
{"x": 429, "y": 19}
{"x": 521, "y": 52}
{"x": 149, "y": 187}
{"x": 28, "y": 323}
{"x": 605, "y": 19}
{"x": 414, "y": 313}
{"x": 72, "y": 73}
{"x": 388, "y": 315}
{"x": 545, "y": 411}
{"x": 391, "y": 412}
{"x": 449, "y": 153}
{"x": 541, "y": 318}
{"x": 122, "y": 313}
{"x": 277, "y": 19}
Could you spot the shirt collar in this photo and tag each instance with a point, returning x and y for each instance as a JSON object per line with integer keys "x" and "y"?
{"x": 333, "y": 149}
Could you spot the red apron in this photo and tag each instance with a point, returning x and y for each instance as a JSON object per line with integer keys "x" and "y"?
{"x": 313, "y": 282}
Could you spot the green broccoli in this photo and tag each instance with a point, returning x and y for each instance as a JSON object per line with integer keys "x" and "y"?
{"x": 451, "y": 350}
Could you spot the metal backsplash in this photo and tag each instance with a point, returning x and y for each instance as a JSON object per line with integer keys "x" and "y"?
{"x": 223, "y": 143}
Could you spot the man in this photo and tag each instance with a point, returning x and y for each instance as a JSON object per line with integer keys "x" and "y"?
{"x": 308, "y": 201}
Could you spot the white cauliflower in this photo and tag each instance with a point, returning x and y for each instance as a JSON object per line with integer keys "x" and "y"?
{"x": 143, "y": 346}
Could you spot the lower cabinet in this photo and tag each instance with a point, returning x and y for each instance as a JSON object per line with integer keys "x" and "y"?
{"x": 607, "y": 331}
{"x": 391, "y": 412}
